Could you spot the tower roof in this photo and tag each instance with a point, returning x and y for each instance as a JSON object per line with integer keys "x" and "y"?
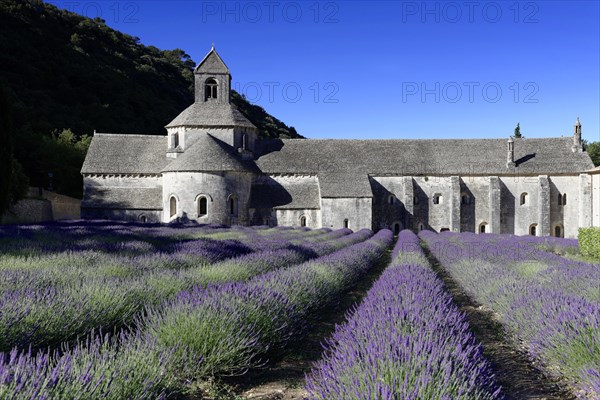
{"x": 212, "y": 63}
{"x": 211, "y": 115}
{"x": 577, "y": 123}
{"x": 209, "y": 154}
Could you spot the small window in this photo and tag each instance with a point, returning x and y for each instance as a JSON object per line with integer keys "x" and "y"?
{"x": 173, "y": 206}
{"x": 415, "y": 200}
{"x": 558, "y": 231}
{"x": 437, "y": 198}
{"x": 303, "y": 221}
{"x": 396, "y": 228}
{"x": 391, "y": 199}
{"x": 533, "y": 230}
{"x": 420, "y": 227}
{"x": 346, "y": 223}
{"x": 523, "y": 200}
{"x": 560, "y": 199}
{"x": 564, "y": 199}
{"x": 483, "y": 227}
{"x": 175, "y": 140}
{"x": 445, "y": 230}
{"x": 233, "y": 206}
{"x": 202, "y": 206}
{"x": 143, "y": 219}
{"x": 267, "y": 222}
{"x": 210, "y": 89}
{"x": 465, "y": 199}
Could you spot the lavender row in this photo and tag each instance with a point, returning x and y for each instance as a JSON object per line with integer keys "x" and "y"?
{"x": 48, "y": 308}
{"x": 546, "y": 304}
{"x": 215, "y": 330}
{"x": 405, "y": 340}
{"x": 228, "y": 329}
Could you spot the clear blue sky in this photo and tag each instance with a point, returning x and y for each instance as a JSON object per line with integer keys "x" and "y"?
{"x": 391, "y": 69}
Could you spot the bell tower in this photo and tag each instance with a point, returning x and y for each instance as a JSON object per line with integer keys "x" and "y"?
{"x": 212, "y": 80}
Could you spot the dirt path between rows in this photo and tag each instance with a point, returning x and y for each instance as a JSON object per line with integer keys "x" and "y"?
{"x": 518, "y": 376}
{"x": 284, "y": 379}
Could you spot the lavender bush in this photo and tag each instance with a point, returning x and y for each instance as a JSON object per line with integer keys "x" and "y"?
{"x": 227, "y": 329}
{"x": 549, "y": 304}
{"x": 405, "y": 340}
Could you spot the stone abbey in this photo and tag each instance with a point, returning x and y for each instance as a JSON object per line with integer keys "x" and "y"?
{"x": 212, "y": 167}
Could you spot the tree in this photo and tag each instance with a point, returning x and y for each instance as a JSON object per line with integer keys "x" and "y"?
{"x": 518, "y": 131}
{"x": 13, "y": 181}
{"x": 593, "y": 149}
{"x": 5, "y": 151}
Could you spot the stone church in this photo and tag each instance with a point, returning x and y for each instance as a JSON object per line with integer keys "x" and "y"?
{"x": 212, "y": 167}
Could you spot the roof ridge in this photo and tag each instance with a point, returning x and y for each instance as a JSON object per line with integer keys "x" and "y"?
{"x": 145, "y": 135}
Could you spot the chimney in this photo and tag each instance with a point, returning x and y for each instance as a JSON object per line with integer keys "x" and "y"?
{"x": 577, "y": 143}
{"x": 510, "y": 155}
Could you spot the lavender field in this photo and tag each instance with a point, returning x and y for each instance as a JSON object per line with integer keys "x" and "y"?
{"x": 106, "y": 310}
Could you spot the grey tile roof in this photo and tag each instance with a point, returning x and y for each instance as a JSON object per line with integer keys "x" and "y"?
{"x": 209, "y": 154}
{"x": 123, "y": 154}
{"x": 210, "y": 115}
{"x": 212, "y": 62}
{"x": 344, "y": 184}
{"x": 424, "y": 157}
{"x": 122, "y": 198}
{"x": 285, "y": 195}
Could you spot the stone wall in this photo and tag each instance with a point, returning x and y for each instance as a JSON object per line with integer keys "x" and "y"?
{"x": 292, "y": 218}
{"x": 42, "y": 206}
{"x": 218, "y": 188}
{"x": 596, "y": 199}
{"x": 357, "y": 211}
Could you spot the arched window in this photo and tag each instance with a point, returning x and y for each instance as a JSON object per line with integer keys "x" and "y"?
{"x": 533, "y": 230}
{"x": 437, "y": 198}
{"x": 396, "y": 228}
{"x": 465, "y": 199}
{"x": 232, "y": 204}
{"x": 564, "y": 199}
{"x": 483, "y": 227}
{"x": 523, "y": 199}
{"x": 420, "y": 227}
{"x": 558, "y": 231}
{"x": 210, "y": 89}
{"x": 303, "y": 221}
{"x": 202, "y": 206}
{"x": 143, "y": 219}
{"x": 391, "y": 199}
{"x": 346, "y": 223}
{"x": 172, "y": 207}
{"x": 267, "y": 222}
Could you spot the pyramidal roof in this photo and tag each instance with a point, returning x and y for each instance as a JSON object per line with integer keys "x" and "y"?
{"x": 212, "y": 63}
{"x": 211, "y": 115}
{"x": 209, "y": 154}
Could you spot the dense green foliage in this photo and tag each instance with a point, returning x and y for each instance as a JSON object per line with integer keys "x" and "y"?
{"x": 593, "y": 150}
{"x": 589, "y": 242}
{"x": 66, "y": 71}
{"x": 14, "y": 183}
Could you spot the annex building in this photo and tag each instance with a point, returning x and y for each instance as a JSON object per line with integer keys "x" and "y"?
{"x": 211, "y": 167}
